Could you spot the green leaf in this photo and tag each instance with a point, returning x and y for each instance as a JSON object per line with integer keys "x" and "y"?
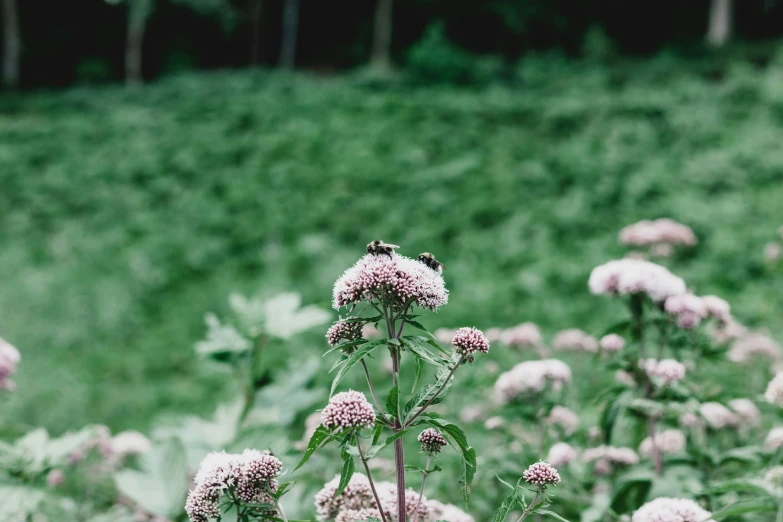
{"x": 18, "y": 502}
{"x": 552, "y": 514}
{"x": 418, "y": 369}
{"x": 631, "y": 491}
{"x": 392, "y": 401}
{"x": 282, "y": 489}
{"x": 354, "y": 358}
{"x": 741, "y": 486}
{"x": 459, "y": 442}
{"x": 425, "y": 393}
{"x": 346, "y": 473}
{"x": 617, "y": 328}
{"x": 596, "y": 511}
{"x": 416, "y": 344}
{"x": 469, "y": 465}
{"x": 505, "y": 508}
{"x": 316, "y": 439}
{"x": 756, "y": 505}
{"x": 373, "y": 451}
{"x": 377, "y": 433}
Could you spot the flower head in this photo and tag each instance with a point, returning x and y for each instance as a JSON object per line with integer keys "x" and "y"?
{"x": 523, "y": 335}
{"x": 469, "y": 341}
{"x": 357, "y": 495}
{"x": 130, "y": 443}
{"x": 529, "y": 378}
{"x": 634, "y": 276}
{"x": 611, "y": 343}
{"x": 441, "y": 511}
{"x": 541, "y": 474}
{"x": 746, "y": 410}
{"x": 774, "y": 477}
{"x": 358, "y": 515}
{"x": 688, "y": 309}
{"x": 202, "y": 504}
{"x": 668, "y": 371}
{"x": 774, "y": 439}
{"x": 576, "y": 340}
{"x": 347, "y": 410}
{"x": 666, "y": 509}
{"x": 668, "y": 442}
{"x": 344, "y": 329}
{"x": 219, "y": 471}
{"x": 774, "y": 393}
{"x": 566, "y": 419}
{"x": 431, "y": 441}
{"x": 718, "y": 416}
{"x": 55, "y": 478}
{"x": 656, "y": 232}
{"x": 561, "y": 454}
{"x": 607, "y": 457}
{"x": 717, "y": 308}
{"x": 754, "y": 345}
{"x": 404, "y": 279}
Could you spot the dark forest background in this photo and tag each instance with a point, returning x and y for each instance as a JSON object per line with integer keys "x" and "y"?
{"x": 48, "y": 43}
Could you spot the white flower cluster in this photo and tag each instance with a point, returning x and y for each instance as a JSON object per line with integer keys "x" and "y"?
{"x": 251, "y": 475}
{"x": 576, "y": 340}
{"x": 665, "y": 509}
{"x": 667, "y": 371}
{"x": 752, "y": 345}
{"x": 9, "y": 358}
{"x": 718, "y": 416}
{"x": 564, "y": 418}
{"x": 357, "y": 501}
{"x": 774, "y": 439}
{"x": 404, "y": 279}
{"x": 606, "y": 458}
{"x": 664, "y": 231}
{"x": 774, "y": 393}
{"x": 668, "y": 442}
{"x": 633, "y": 276}
{"x": 561, "y": 454}
{"x": 531, "y": 377}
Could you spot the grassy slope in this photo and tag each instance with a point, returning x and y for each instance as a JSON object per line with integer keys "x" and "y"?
{"x": 128, "y": 214}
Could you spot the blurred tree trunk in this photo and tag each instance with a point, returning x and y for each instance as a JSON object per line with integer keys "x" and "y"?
{"x": 382, "y": 35}
{"x": 290, "y": 29}
{"x": 12, "y": 44}
{"x": 256, "y": 12}
{"x": 138, "y": 12}
{"x": 720, "y": 24}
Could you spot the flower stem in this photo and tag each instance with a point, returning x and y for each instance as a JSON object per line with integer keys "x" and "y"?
{"x": 421, "y": 410}
{"x": 656, "y": 451}
{"x": 369, "y": 477}
{"x": 530, "y": 508}
{"x": 421, "y": 490}
{"x": 399, "y": 456}
{"x": 372, "y": 391}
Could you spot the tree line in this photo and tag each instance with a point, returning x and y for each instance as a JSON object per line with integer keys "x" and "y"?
{"x": 44, "y": 42}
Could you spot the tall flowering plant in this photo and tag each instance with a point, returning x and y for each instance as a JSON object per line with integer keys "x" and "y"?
{"x": 388, "y": 291}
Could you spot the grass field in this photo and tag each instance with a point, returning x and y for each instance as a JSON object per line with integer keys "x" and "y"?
{"x": 127, "y": 214}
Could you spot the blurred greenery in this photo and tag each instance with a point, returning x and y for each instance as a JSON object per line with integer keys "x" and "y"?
{"x": 130, "y": 213}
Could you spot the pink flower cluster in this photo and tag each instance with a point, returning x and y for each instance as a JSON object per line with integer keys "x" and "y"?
{"x": 348, "y": 410}
{"x": 561, "y": 454}
{"x": 611, "y": 343}
{"x": 774, "y": 439}
{"x": 688, "y": 309}
{"x": 404, "y": 279}
{"x": 667, "y": 371}
{"x": 357, "y": 500}
{"x": 718, "y": 416}
{"x": 774, "y": 393}
{"x": 9, "y": 358}
{"x": 656, "y": 232}
{"x": 606, "y": 458}
{"x": 576, "y": 340}
{"x": 469, "y": 341}
{"x": 250, "y": 474}
{"x": 344, "y": 330}
{"x": 431, "y": 441}
{"x": 633, "y": 276}
{"x": 358, "y": 515}
{"x": 754, "y": 345}
{"x": 529, "y": 378}
{"x": 441, "y": 511}
{"x": 723, "y": 332}
{"x": 566, "y": 419}
{"x": 668, "y": 442}
{"x": 524, "y": 335}
{"x": 665, "y": 509}
{"x": 747, "y": 411}
{"x": 541, "y": 474}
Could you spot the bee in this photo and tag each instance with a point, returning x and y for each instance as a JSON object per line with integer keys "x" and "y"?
{"x": 379, "y": 247}
{"x": 429, "y": 260}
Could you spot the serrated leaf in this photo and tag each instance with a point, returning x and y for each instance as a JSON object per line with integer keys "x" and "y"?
{"x": 316, "y": 439}
{"x": 426, "y": 392}
{"x": 505, "y": 508}
{"x": 346, "y": 473}
{"x": 354, "y": 358}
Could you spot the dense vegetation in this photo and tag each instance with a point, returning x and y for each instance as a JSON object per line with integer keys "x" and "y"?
{"x": 128, "y": 214}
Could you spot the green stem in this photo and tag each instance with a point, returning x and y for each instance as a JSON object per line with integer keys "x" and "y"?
{"x": 421, "y": 490}
{"x": 530, "y": 507}
{"x": 369, "y": 476}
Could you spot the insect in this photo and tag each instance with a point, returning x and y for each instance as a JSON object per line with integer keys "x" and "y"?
{"x": 379, "y": 247}
{"x": 429, "y": 260}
